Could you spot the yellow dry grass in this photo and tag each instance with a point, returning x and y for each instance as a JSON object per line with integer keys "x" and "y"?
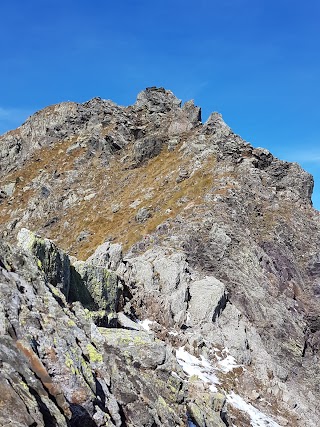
{"x": 151, "y": 185}
{"x": 48, "y": 159}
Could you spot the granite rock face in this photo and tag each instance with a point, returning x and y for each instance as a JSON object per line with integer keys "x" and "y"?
{"x": 182, "y": 265}
{"x": 59, "y": 369}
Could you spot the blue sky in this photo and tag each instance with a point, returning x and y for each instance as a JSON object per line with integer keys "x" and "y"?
{"x": 257, "y": 62}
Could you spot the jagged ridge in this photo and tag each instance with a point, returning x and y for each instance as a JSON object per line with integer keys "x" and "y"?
{"x": 220, "y": 239}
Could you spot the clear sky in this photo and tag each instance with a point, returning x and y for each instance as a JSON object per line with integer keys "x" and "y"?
{"x": 255, "y": 61}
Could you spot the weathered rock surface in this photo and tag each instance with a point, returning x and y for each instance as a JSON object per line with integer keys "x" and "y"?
{"x": 182, "y": 228}
{"x": 59, "y": 369}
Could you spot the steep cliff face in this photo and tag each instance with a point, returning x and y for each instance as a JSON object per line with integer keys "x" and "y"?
{"x": 183, "y": 225}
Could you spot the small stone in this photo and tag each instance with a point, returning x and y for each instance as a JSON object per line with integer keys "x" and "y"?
{"x": 254, "y": 395}
{"x": 143, "y": 214}
{"x": 183, "y": 174}
{"x": 135, "y": 203}
{"x": 115, "y": 207}
{"x": 45, "y": 192}
{"x": 72, "y": 148}
{"x": 9, "y": 189}
{"x": 83, "y": 235}
{"x": 90, "y": 196}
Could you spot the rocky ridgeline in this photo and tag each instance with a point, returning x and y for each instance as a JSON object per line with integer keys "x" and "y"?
{"x": 197, "y": 300}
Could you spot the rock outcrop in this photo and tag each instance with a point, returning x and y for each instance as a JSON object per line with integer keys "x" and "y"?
{"x": 176, "y": 279}
{"x": 59, "y": 369}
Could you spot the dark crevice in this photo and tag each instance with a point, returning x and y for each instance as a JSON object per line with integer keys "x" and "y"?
{"x": 79, "y": 292}
{"x": 2, "y": 265}
{"x": 48, "y": 418}
{"x": 49, "y": 395}
{"x": 224, "y": 418}
{"x": 183, "y": 327}
{"x": 119, "y": 326}
{"x": 11, "y": 329}
{"x": 191, "y": 421}
{"x": 85, "y": 358}
{"x": 304, "y": 349}
{"x": 58, "y": 299}
{"x": 21, "y": 288}
{"x": 122, "y": 416}
{"x": 80, "y": 417}
{"x": 115, "y": 147}
{"x": 188, "y": 295}
{"x": 101, "y": 402}
{"x": 34, "y": 345}
{"x": 220, "y": 307}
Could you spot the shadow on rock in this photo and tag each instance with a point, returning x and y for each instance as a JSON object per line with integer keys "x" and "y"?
{"x": 80, "y": 417}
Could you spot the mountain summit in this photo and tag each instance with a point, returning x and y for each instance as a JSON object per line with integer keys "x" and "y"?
{"x": 170, "y": 278}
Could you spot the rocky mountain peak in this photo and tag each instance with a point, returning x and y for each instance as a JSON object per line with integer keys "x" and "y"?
{"x": 181, "y": 262}
{"x": 157, "y": 100}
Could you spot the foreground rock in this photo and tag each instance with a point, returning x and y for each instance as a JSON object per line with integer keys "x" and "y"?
{"x": 69, "y": 372}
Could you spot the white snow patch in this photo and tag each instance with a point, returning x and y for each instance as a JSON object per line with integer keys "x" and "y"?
{"x": 227, "y": 364}
{"x": 145, "y": 324}
{"x": 205, "y": 371}
{"x": 134, "y": 204}
{"x": 199, "y": 367}
{"x": 258, "y": 418}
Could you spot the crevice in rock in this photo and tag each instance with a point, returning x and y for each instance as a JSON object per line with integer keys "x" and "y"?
{"x": 122, "y": 416}
{"x": 48, "y": 418}
{"x": 13, "y": 386}
{"x": 224, "y": 418}
{"x": 84, "y": 375}
{"x": 41, "y": 374}
{"x": 100, "y": 393}
{"x": 188, "y": 296}
{"x": 85, "y": 358}
{"x": 102, "y": 402}
{"x": 220, "y": 307}
{"x": 80, "y": 417}
{"x": 57, "y": 298}
{"x": 191, "y": 422}
{"x": 2, "y": 265}
{"x": 34, "y": 345}
{"x": 79, "y": 292}
{"x": 21, "y": 288}
{"x": 11, "y": 329}
{"x": 305, "y": 346}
